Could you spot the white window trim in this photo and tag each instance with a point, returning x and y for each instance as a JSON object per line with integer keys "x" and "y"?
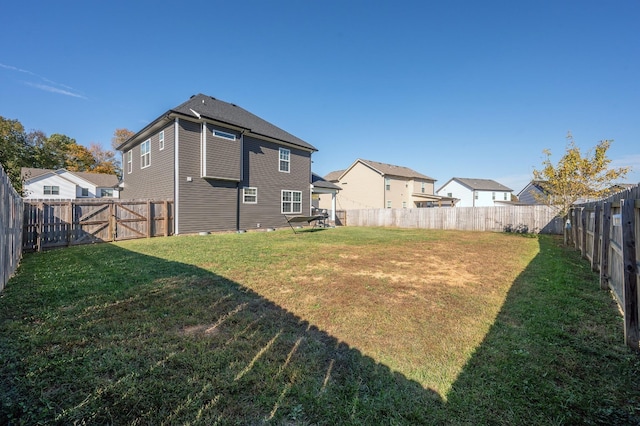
{"x": 387, "y": 184}
{"x": 129, "y": 162}
{"x": 51, "y": 190}
{"x": 291, "y": 202}
{"x": 161, "y": 140}
{"x": 244, "y": 195}
{"x": 224, "y": 135}
{"x": 288, "y": 160}
{"x": 148, "y": 154}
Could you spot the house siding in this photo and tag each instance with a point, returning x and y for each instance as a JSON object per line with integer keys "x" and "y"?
{"x": 221, "y": 156}
{"x": 203, "y": 204}
{"x": 261, "y": 171}
{"x": 362, "y": 188}
{"x": 155, "y": 181}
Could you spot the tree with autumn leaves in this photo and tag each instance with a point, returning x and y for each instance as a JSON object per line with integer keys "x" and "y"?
{"x": 19, "y": 148}
{"x": 577, "y": 177}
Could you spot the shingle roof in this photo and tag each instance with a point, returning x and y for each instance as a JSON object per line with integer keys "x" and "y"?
{"x": 334, "y": 175}
{"x": 209, "y": 107}
{"x": 98, "y": 179}
{"x": 321, "y": 182}
{"x": 390, "y": 169}
{"x": 482, "y": 184}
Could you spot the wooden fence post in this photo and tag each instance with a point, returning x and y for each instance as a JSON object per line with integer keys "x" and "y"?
{"x": 630, "y": 287}
{"x": 576, "y": 229}
{"x": 149, "y": 219}
{"x": 606, "y": 239}
{"x": 583, "y": 224}
{"x": 166, "y": 218}
{"x": 595, "y": 256}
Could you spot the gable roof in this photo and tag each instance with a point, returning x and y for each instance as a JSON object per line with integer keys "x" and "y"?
{"x": 200, "y": 107}
{"x": 479, "y": 184}
{"x": 381, "y": 168}
{"x": 320, "y": 182}
{"x": 393, "y": 170}
{"x": 101, "y": 180}
{"x": 534, "y": 184}
{"x": 334, "y": 175}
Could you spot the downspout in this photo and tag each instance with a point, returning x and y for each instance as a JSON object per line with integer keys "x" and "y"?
{"x": 176, "y": 177}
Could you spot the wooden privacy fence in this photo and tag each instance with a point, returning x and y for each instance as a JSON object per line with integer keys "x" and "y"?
{"x": 59, "y": 223}
{"x": 606, "y": 233}
{"x": 525, "y": 219}
{"x": 11, "y": 207}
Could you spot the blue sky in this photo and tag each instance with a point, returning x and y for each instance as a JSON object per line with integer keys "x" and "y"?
{"x": 448, "y": 88}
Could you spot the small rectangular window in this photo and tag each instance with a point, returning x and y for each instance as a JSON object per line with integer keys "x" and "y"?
{"x": 493, "y": 195}
{"x": 224, "y": 135}
{"x": 424, "y": 187}
{"x": 106, "y": 192}
{"x": 51, "y": 190}
{"x": 129, "y": 161}
{"x": 161, "y": 140}
{"x": 450, "y": 194}
{"x": 285, "y": 159}
{"x": 388, "y": 204}
{"x": 404, "y": 204}
{"x": 387, "y": 184}
{"x": 291, "y": 202}
{"x": 249, "y": 195}
{"x": 505, "y": 196}
{"x": 475, "y": 195}
{"x": 145, "y": 154}
{"x": 85, "y": 192}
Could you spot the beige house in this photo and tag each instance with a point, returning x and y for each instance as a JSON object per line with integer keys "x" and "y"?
{"x": 373, "y": 185}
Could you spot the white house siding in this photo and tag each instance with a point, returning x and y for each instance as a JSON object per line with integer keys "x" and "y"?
{"x": 35, "y": 189}
{"x": 461, "y": 192}
{"x": 467, "y": 196}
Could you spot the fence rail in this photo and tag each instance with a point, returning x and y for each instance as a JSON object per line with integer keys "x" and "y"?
{"x": 525, "y": 219}
{"x": 11, "y": 207}
{"x": 606, "y": 233}
{"x": 60, "y": 223}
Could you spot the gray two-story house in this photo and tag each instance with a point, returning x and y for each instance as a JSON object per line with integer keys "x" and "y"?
{"x": 224, "y": 167}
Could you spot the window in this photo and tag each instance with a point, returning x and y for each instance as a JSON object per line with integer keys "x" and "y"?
{"x": 291, "y": 201}
{"x": 475, "y": 195}
{"x": 51, "y": 190}
{"x": 285, "y": 155}
{"x": 388, "y": 204}
{"x": 505, "y": 196}
{"x": 450, "y": 194}
{"x": 423, "y": 188}
{"x": 249, "y": 195}
{"x": 224, "y": 135}
{"x": 145, "y": 154}
{"x": 387, "y": 184}
{"x": 493, "y": 195}
{"x": 161, "y": 140}
{"x": 85, "y": 192}
{"x": 129, "y": 161}
{"x": 106, "y": 192}
{"x": 404, "y": 204}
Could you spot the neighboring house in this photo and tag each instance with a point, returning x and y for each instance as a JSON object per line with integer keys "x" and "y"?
{"x": 533, "y": 193}
{"x": 224, "y": 167}
{"x": 324, "y": 188}
{"x": 476, "y": 192}
{"x": 373, "y": 185}
{"x": 63, "y": 184}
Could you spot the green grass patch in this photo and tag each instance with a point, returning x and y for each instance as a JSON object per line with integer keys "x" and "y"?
{"x": 339, "y": 326}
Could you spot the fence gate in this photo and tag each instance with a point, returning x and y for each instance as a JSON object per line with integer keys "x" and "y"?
{"x": 59, "y": 223}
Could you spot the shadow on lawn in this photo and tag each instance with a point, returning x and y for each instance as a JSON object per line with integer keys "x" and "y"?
{"x": 163, "y": 342}
{"x": 171, "y": 343}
